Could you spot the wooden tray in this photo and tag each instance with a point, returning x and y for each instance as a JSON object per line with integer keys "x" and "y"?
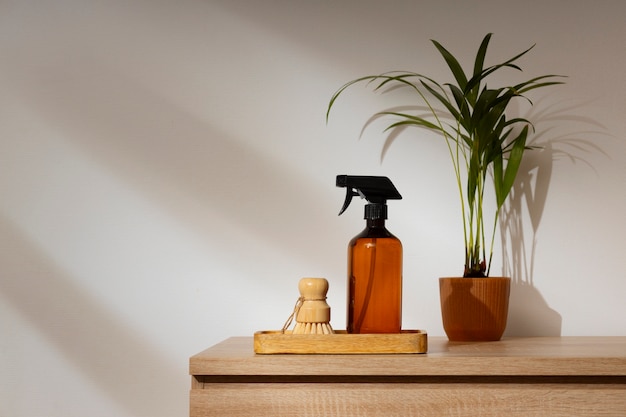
{"x": 274, "y": 341}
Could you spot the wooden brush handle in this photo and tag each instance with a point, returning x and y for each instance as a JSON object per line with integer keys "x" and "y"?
{"x": 314, "y": 308}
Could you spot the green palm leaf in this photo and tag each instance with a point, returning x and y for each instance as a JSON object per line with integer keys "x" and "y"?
{"x": 472, "y": 120}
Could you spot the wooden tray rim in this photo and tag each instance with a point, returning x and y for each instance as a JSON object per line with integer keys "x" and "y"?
{"x": 341, "y": 342}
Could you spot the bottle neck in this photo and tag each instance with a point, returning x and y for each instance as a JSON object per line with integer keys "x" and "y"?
{"x": 375, "y": 223}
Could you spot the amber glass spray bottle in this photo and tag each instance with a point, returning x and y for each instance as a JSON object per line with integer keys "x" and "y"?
{"x": 374, "y": 260}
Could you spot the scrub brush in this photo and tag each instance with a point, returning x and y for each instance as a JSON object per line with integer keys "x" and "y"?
{"x": 311, "y": 311}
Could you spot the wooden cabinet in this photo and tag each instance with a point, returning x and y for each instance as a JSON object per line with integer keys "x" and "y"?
{"x": 543, "y": 376}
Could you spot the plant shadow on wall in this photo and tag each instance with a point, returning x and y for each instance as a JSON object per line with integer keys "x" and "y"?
{"x": 529, "y": 313}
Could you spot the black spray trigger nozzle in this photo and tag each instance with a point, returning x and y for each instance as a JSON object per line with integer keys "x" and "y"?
{"x": 376, "y": 190}
{"x": 350, "y": 192}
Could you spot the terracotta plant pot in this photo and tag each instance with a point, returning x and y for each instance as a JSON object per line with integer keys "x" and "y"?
{"x": 474, "y": 309}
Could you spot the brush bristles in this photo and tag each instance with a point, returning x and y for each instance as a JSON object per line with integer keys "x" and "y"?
{"x": 312, "y": 328}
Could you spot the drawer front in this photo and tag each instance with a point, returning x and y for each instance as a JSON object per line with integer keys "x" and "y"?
{"x": 408, "y": 399}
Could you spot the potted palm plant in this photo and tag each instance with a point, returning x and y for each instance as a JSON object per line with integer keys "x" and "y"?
{"x": 486, "y": 147}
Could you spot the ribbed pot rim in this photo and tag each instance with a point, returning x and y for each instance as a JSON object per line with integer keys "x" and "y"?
{"x": 468, "y": 278}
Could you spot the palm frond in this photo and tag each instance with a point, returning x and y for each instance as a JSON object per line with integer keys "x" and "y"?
{"x": 480, "y": 138}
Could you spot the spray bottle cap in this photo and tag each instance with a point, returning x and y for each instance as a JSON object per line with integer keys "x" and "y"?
{"x": 376, "y": 190}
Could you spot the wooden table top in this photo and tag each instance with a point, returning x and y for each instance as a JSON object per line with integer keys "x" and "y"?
{"x": 526, "y": 356}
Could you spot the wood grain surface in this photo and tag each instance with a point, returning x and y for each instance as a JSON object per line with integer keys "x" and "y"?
{"x": 543, "y": 376}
